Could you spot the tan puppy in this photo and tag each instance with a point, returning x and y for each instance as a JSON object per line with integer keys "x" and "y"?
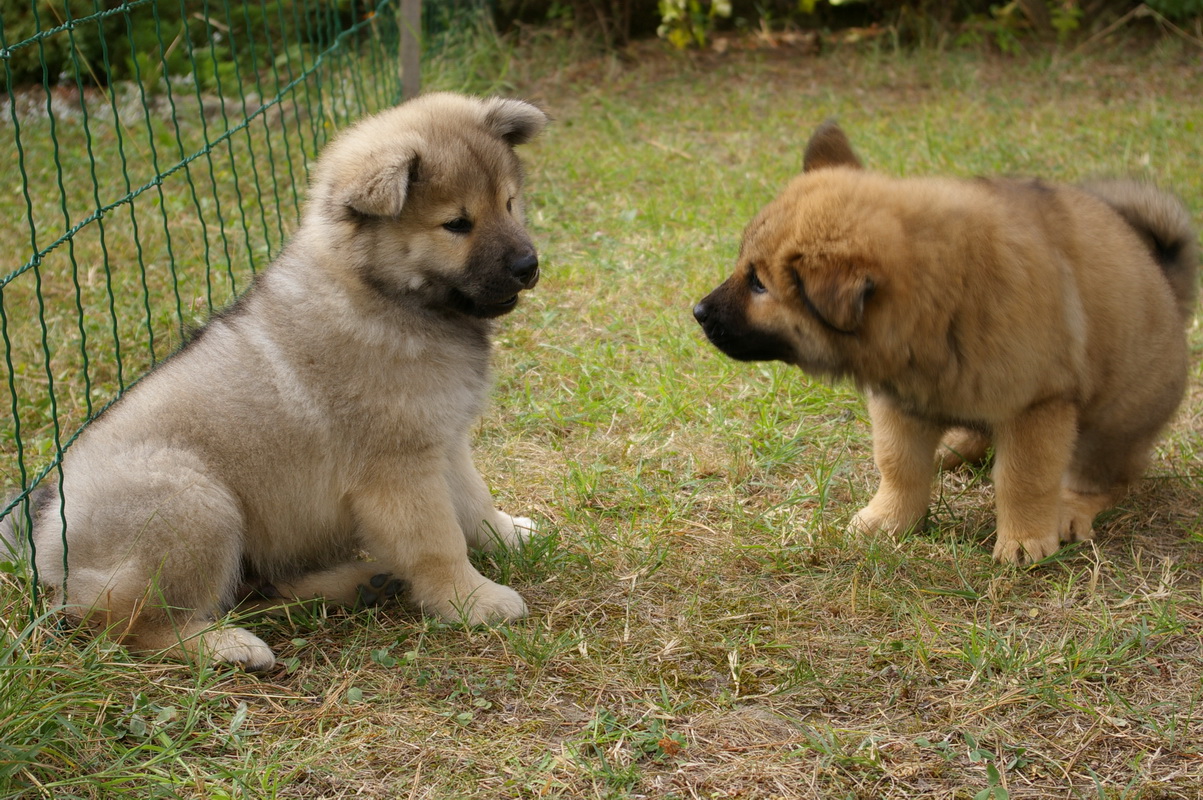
{"x": 325, "y": 414}
{"x": 1048, "y": 319}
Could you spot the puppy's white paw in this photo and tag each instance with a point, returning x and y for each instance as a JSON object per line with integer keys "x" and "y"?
{"x": 492, "y": 602}
{"x": 507, "y": 532}
{"x": 524, "y": 527}
{"x": 488, "y": 602}
{"x": 239, "y": 646}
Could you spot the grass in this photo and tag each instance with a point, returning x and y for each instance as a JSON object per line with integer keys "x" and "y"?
{"x": 701, "y": 624}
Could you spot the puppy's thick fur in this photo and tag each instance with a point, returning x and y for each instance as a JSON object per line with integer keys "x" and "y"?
{"x": 326, "y": 413}
{"x": 1047, "y": 319}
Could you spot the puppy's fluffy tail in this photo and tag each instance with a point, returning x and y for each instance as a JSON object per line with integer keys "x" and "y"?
{"x": 14, "y": 529}
{"x": 1164, "y": 224}
{"x": 10, "y": 539}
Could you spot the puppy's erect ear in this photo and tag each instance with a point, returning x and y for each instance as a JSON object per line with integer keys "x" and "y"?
{"x": 829, "y": 147}
{"x": 514, "y": 121}
{"x": 836, "y": 295}
{"x": 381, "y": 183}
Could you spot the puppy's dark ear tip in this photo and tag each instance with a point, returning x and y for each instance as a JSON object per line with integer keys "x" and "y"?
{"x": 829, "y": 126}
{"x": 515, "y": 121}
{"x": 829, "y": 147}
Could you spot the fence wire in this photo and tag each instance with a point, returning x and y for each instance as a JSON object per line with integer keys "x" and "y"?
{"x": 159, "y": 157}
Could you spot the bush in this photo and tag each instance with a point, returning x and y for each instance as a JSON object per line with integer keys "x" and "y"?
{"x": 51, "y": 57}
{"x": 153, "y": 38}
{"x": 693, "y": 22}
{"x": 1177, "y": 10}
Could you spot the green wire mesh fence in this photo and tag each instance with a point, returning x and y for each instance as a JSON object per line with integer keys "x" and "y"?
{"x": 158, "y": 158}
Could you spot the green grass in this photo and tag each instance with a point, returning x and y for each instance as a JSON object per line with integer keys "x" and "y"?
{"x": 701, "y": 625}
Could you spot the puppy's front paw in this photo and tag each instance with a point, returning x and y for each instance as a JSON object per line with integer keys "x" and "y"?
{"x": 487, "y": 602}
{"x": 871, "y": 519}
{"x": 507, "y": 532}
{"x": 1075, "y": 526}
{"x": 865, "y": 522}
{"x": 492, "y": 602}
{"x": 1013, "y": 550}
{"x": 524, "y": 527}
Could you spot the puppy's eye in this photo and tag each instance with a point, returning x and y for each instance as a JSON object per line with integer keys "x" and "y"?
{"x": 754, "y": 282}
{"x": 458, "y": 225}
{"x": 509, "y": 205}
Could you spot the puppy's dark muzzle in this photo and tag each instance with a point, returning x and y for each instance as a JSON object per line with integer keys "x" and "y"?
{"x": 523, "y": 274}
{"x": 729, "y": 332}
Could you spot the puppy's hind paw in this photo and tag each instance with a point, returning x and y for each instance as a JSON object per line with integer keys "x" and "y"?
{"x": 1078, "y": 510}
{"x": 381, "y": 589}
{"x": 961, "y": 446}
{"x": 240, "y": 647}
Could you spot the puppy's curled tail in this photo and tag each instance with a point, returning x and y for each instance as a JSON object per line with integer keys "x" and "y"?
{"x": 10, "y": 536}
{"x": 1164, "y": 224}
{"x": 14, "y": 528}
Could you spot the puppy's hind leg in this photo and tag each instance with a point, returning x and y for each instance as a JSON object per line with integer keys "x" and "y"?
{"x": 156, "y": 561}
{"x": 199, "y": 639}
{"x": 352, "y": 583}
{"x": 1104, "y": 465}
{"x": 962, "y": 446}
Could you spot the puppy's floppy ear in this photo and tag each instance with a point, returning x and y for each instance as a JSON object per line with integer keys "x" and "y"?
{"x": 836, "y": 294}
{"x": 829, "y": 147}
{"x": 513, "y": 121}
{"x": 381, "y": 183}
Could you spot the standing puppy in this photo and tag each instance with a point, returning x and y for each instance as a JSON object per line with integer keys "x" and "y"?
{"x": 326, "y": 413}
{"x": 1048, "y": 319}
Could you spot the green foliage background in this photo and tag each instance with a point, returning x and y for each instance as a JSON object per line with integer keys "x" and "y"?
{"x": 149, "y": 33}
{"x": 622, "y": 20}
{"x": 153, "y": 32}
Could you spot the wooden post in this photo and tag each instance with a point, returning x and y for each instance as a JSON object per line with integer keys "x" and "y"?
{"x": 411, "y": 48}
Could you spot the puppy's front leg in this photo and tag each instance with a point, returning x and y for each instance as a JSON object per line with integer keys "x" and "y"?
{"x": 410, "y": 523}
{"x": 903, "y": 449}
{"x": 1032, "y": 452}
{"x": 484, "y": 526}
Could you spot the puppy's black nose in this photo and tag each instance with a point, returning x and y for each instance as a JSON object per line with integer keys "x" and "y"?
{"x": 525, "y": 268}
{"x": 700, "y": 312}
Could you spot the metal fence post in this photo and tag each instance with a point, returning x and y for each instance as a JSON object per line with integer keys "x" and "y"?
{"x": 411, "y": 48}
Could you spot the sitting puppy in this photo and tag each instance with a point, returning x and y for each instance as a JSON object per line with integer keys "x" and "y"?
{"x": 1047, "y": 319}
{"x": 325, "y": 414}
